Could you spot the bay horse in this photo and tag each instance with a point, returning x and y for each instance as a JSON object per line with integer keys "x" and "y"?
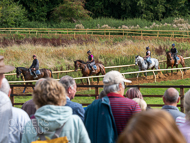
{"x": 144, "y": 66}
{"x": 171, "y": 61}
{"x": 27, "y": 76}
{"x": 85, "y": 70}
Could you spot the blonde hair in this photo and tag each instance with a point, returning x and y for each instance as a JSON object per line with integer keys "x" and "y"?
{"x": 141, "y": 103}
{"x": 187, "y": 104}
{"x": 152, "y": 126}
{"x": 49, "y": 92}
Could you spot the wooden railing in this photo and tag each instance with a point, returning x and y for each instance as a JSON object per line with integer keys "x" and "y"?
{"x": 97, "y": 87}
{"x": 97, "y": 32}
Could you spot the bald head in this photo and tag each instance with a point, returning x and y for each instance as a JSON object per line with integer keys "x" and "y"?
{"x": 171, "y": 95}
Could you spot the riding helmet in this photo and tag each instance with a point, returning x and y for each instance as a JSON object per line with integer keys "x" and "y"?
{"x": 147, "y": 48}
{"x": 88, "y": 52}
{"x": 34, "y": 55}
{"x": 173, "y": 44}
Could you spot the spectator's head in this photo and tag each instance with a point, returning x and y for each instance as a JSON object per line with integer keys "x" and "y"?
{"x": 141, "y": 103}
{"x": 49, "y": 92}
{"x": 114, "y": 82}
{"x": 187, "y": 104}
{"x": 69, "y": 85}
{"x": 39, "y": 80}
{"x": 152, "y": 126}
{"x": 134, "y": 93}
{"x": 171, "y": 97}
{"x": 102, "y": 94}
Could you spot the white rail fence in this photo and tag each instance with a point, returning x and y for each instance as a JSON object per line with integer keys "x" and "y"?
{"x": 136, "y": 72}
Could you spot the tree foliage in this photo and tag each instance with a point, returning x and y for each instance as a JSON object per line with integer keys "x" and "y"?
{"x": 11, "y": 14}
{"x": 71, "y": 10}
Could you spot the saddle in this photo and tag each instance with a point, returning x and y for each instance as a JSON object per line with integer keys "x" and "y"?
{"x": 94, "y": 66}
{"x": 37, "y": 72}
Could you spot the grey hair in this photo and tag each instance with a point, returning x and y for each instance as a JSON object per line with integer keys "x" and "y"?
{"x": 171, "y": 95}
{"x": 112, "y": 88}
{"x": 5, "y": 87}
{"x": 187, "y": 105}
{"x": 67, "y": 81}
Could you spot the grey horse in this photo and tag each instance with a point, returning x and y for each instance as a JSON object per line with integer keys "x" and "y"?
{"x": 143, "y": 65}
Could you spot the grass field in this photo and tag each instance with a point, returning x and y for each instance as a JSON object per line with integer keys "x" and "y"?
{"x": 144, "y": 91}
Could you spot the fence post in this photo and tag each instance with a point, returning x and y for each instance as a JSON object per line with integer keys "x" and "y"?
{"x": 123, "y": 33}
{"x": 74, "y": 34}
{"x": 181, "y": 74}
{"x": 109, "y": 35}
{"x": 89, "y": 84}
{"x": 141, "y": 35}
{"x": 182, "y": 97}
{"x": 96, "y": 92}
{"x": 58, "y": 75}
{"x": 12, "y": 97}
{"x": 157, "y": 34}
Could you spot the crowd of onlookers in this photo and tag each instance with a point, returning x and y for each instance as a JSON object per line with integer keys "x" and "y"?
{"x": 51, "y": 114}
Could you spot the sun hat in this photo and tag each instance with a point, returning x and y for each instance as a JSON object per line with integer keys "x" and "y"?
{"x": 5, "y": 68}
{"x": 114, "y": 77}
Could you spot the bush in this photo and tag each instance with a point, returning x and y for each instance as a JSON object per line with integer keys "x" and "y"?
{"x": 12, "y": 14}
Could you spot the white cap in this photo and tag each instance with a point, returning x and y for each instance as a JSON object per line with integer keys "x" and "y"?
{"x": 114, "y": 77}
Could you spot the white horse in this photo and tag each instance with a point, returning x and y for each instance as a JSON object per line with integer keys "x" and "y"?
{"x": 143, "y": 65}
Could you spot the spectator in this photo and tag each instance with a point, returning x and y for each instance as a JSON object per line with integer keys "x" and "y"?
{"x": 49, "y": 97}
{"x": 180, "y": 121}
{"x": 102, "y": 94}
{"x": 105, "y": 118}
{"x": 19, "y": 117}
{"x": 70, "y": 87}
{"x": 152, "y": 126}
{"x": 29, "y": 106}
{"x": 134, "y": 93}
{"x": 170, "y": 99}
{"x": 185, "y": 128}
{"x": 141, "y": 103}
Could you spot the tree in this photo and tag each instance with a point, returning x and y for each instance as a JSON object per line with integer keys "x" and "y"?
{"x": 39, "y": 10}
{"x": 71, "y": 10}
{"x": 11, "y": 14}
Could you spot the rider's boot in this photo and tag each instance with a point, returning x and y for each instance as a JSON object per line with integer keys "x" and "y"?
{"x": 93, "y": 69}
{"x": 176, "y": 61}
{"x": 35, "y": 75}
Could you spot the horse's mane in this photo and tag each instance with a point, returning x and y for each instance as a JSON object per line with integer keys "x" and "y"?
{"x": 23, "y": 68}
{"x": 81, "y": 61}
{"x": 168, "y": 52}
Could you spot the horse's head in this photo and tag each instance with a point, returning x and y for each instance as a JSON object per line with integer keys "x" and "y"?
{"x": 76, "y": 65}
{"x": 169, "y": 55}
{"x": 136, "y": 59}
{"x": 18, "y": 72}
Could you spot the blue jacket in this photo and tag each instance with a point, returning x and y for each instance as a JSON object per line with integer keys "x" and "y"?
{"x": 99, "y": 122}
{"x": 52, "y": 117}
{"x": 76, "y": 107}
{"x": 174, "y": 111}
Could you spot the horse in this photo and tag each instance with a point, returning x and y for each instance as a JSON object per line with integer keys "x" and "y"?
{"x": 171, "y": 61}
{"x": 143, "y": 65}
{"x": 86, "y": 71}
{"x": 27, "y": 76}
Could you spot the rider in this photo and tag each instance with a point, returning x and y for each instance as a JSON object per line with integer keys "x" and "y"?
{"x": 34, "y": 66}
{"x": 174, "y": 52}
{"x": 148, "y": 54}
{"x": 91, "y": 60}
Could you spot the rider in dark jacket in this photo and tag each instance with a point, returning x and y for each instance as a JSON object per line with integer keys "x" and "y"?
{"x": 91, "y": 60}
{"x": 174, "y": 52}
{"x": 35, "y": 66}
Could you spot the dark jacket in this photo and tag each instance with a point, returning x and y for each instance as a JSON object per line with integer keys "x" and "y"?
{"x": 174, "y": 111}
{"x": 35, "y": 64}
{"x": 99, "y": 122}
{"x": 174, "y": 51}
{"x": 76, "y": 107}
{"x": 29, "y": 107}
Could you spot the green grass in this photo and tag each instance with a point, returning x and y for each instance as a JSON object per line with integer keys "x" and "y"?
{"x": 144, "y": 91}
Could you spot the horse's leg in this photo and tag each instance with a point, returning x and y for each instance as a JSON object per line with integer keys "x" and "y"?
{"x": 177, "y": 67}
{"x": 172, "y": 70}
{"x": 138, "y": 73}
{"x": 146, "y": 74}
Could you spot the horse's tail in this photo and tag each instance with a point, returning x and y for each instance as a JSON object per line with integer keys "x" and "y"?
{"x": 51, "y": 73}
{"x": 102, "y": 69}
{"x": 182, "y": 61}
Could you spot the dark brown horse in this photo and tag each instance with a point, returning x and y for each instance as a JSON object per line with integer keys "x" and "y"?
{"x": 27, "y": 76}
{"x": 171, "y": 61}
{"x": 85, "y": 70}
